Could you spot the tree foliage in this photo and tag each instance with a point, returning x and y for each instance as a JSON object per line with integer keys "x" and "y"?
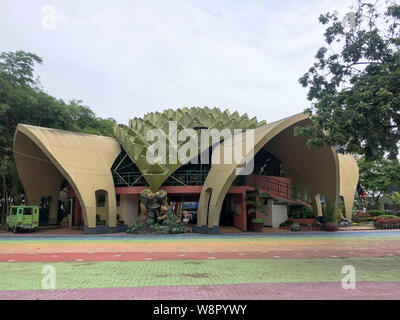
{"x": 354, "y": 85}
{"x": 377, "y": 177}
{"x": 23, "y": 100}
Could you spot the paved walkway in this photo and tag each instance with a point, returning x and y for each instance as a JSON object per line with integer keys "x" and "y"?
{"x": 192, "y": 266}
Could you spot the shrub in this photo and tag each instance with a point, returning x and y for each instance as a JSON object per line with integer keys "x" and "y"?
{"x": 170, "y": 225}
{"x": 375, "y": 213}
{"x": 301, "y": 212}
{"x": 387, "y": 216}
{"x": 257, "y": 220}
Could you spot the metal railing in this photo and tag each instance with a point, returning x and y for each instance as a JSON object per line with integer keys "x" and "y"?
{"x": 187, "y": 178}
{"x": 277, "y": 187}
{"x": 197, "y": 177}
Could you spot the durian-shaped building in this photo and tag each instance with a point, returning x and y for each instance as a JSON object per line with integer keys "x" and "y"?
{"x": 134, "y": 138}
{"x": 105, "y": 175}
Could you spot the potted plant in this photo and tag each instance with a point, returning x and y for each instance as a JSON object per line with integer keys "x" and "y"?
{"x": 256, "y": 202}
{"x": 258, "y": 224}
{"x": 331, "y": 217}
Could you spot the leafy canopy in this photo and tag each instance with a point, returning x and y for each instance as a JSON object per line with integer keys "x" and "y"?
{"x": 376, "y": 177}
{"x": 23, "y": 100}
{"x": 354, "y": 85}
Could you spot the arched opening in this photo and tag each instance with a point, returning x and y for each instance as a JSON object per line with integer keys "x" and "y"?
{"x": 44, "y": 210}
{"x": 317, "y": 168}
{"x": 45, "y": 158}
{"x": 43, "y": 182}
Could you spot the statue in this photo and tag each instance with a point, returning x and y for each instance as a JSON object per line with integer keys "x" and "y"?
{"x": 158, "y": 216}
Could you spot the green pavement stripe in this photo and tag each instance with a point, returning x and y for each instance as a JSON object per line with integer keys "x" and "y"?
{"x": 75, "y": 275}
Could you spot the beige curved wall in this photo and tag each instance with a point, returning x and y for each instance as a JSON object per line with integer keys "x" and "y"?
{"x": 317, "y": 166}
{"x": 349, "y": 175}
{"x": 45, "y": 157}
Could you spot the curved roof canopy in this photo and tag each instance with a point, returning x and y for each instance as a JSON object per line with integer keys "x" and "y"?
{"x": 134, "y": 138}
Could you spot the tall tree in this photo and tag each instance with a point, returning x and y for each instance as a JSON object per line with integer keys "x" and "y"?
{"x": 354, "y": 85}
{"x": 23, "y": 100}
{"x": 377, "y": 177}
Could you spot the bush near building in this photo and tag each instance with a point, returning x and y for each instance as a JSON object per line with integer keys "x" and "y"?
{"x": 376, "y": 213}
{"x": 301, "y": 212}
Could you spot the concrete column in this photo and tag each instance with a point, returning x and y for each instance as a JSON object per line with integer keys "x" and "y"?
{"x": 111, "y": 205}
{"x": 203, "y": 210}
{"x": 213, "y": 218}
{"x": 131, "y": 207}
{"x": 90, "y": 216}
{"x": 316, "y": 204}
{"x": 348, "y": 207}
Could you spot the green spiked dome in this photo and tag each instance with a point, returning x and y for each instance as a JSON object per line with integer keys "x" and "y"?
{"x": 133, "y": 138}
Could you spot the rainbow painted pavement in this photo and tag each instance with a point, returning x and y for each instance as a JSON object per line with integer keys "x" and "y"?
{"x": 193, "y": 266}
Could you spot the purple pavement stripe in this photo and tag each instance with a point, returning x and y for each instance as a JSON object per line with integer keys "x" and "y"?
{"x": 253, "y": 291}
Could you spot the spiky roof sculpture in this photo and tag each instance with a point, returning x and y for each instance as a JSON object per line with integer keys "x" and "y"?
{"x": 133, "y": 138}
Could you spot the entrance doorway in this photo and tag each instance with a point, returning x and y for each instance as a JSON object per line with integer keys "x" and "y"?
{"x": 227, "y": 217}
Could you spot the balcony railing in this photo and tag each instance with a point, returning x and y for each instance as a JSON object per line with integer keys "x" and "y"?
{"x": 277, "y": 187}
{"x": 197, "y": 177}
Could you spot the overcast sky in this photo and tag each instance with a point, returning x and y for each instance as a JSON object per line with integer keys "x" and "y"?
{"x": 126, "y": 58}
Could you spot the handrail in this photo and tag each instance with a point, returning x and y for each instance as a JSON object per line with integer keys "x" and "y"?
{"x": 197, "y": 177}
{"x": 277, "y": 187}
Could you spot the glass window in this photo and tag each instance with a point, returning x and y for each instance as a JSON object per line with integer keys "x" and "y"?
{"x": 101, "y": 200}
{"x": 27, "y": 211}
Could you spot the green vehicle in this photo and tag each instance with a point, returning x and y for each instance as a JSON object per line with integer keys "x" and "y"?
{"x": 22, "y": 218}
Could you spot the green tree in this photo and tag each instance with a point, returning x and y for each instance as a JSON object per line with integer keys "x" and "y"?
{"x": 23, "y": 100}
{"x": 18, "y": 67}
{"x": 393, "y": 200}
{"x": 377, "y": 176}
{"x": 354, "y": 85}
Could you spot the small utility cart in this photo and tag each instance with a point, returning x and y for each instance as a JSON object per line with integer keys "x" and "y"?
{"x": 22, "y": 218}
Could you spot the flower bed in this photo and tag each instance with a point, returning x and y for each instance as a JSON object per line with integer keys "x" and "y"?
{"x": 387, "y": 223}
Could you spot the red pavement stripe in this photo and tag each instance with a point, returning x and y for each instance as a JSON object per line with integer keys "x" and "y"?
{"x": 251, "y": 291}
{"x": 142, "y": 256}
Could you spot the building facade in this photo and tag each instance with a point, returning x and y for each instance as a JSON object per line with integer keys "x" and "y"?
{"x": 104, "y": 176}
